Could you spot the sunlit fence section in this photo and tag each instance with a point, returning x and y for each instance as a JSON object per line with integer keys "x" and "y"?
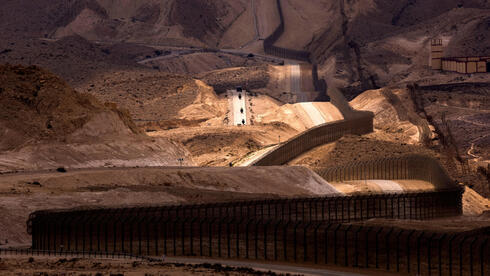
{"x": 360, "y": 123}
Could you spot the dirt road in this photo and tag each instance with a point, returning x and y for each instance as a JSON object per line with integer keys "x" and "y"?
{"x": 278, "y": 268}
{"x": 296, "y": 83}
{"x": 238, "y": 107}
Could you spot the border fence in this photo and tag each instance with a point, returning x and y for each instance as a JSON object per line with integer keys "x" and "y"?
{"x": 360, "y": 123}
{"x": 416, "y": 167}
{"x": 364, "y": 246}
{"x": 317, "y": 230}
{"x": 269, "y": 48}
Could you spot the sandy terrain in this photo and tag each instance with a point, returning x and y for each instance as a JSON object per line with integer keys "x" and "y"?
{"x": 175, "y": 94}
{"x": 300, "y": 116}
{"x": 21, "y": 194}
{"x": 74, "y": 266}
{"x": 220, "y": 145}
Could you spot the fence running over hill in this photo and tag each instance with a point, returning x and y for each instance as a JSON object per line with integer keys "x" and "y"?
{"x": 321, "y": 230}
{"x": 417, "y": 167}
{"x": 360, "y": 123}
{"x": 269, "y": 48}
{"x": 269, "y": 41}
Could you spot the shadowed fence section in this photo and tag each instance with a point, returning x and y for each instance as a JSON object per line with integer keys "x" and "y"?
{"x": 360, "y": 123}
{"x": 269, "y": 48}
{"x": 315, "y": 242}
{"x": 415, "y": 205}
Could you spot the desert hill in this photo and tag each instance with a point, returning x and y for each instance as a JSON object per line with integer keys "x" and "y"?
{"x": 378, "y": 43}
{"x": 45, "y": 123}
{"x": 189, "y": 22}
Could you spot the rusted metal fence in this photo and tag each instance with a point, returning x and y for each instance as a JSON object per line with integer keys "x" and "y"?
{"x": 360, "y": 123}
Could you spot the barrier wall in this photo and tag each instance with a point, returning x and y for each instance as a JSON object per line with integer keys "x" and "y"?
{"x": 269, "y": 41}
{"x": 319, "y": 230}
{"x": 269, "y": 48}
{"x": 417, "y": 167}
{"x": 413, "y": 205}
{"x": 360, "y": 123}
{"x": 317, "y": 243}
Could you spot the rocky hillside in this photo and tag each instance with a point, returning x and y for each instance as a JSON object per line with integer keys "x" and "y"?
{"x": 183, "y": 22}
{"x": 372, "y": 44}
{"x": 45, "y": 123}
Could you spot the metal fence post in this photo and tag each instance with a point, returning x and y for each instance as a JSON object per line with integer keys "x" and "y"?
{"x": 367, "y": 246}
{"x": 450, "y": 251}
{"x": 285, "y": 229}
{"x": 471, "y": 255}
{"x": 377, "y": 247}
{"x": 326, "y": 242}
{"x": 295, "y": 242}
{"x": 419, "y": 238}
{"x": 398, "y": 250}
{"x": 408, "y": 249}
{"x": 482, "y": 256}
{"x": 335, "y": 243}
{"x": 461, "y": 244}
{"x": 276, "y": 228}
{"x": 346, "y": 246}
{"x": 387, "y": 237}
{"x": 429, "y": 252}
{"x": 356, "y": 246}
{"x": 316, "y": 242}
{"x": 439, "y": 254}
{"x": 265, "y": 239}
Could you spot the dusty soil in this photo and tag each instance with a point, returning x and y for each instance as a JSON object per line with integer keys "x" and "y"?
{"x": 74, "y": 266}
{"x": 220, "y": 146}
{"x": 23, "y": 193}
